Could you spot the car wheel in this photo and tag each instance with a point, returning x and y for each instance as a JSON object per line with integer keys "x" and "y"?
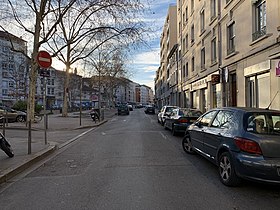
{"x": 20, "y": 118}
{"x": 226, "y": 170}
{"x": 162, "y": 122}
{"x": 187, "y": 145}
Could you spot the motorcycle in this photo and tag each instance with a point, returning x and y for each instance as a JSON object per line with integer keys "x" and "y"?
{"x": 94, "y": 115}
{"x": 5, "y": 146}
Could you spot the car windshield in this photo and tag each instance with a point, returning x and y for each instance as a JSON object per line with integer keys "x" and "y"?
{"x": 169, "y": 109}
{"x": 263, "y": 123}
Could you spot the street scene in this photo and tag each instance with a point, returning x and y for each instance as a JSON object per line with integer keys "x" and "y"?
{"x": 139, "y": 104}
{"x": 130, "y": 162}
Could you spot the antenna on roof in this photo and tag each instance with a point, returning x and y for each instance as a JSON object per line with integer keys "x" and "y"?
{"x": 272, "y": 100}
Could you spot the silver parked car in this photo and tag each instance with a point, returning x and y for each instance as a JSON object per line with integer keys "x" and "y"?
{"x": 163, "y": 111}
{"x": 242, "y": 142}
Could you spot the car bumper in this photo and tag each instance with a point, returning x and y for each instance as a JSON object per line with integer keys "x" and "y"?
{"x": 257, "y": 168}
{"x": 181, "y": 128}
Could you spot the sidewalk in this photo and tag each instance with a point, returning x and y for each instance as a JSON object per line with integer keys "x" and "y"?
{"x": 61, "y": 131}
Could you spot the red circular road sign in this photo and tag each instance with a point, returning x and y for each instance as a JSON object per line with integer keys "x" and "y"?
{"x": 44, "y": 59}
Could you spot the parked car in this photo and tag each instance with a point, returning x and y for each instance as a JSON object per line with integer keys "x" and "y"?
{"x": 149, "y": 109}
{"x": 12, "y": 115}
{"x": 243, "y": 142}
{"x": 130, "y": 107}
{"x": 163, "y": 111}
{"x": 123, "y": 109}
{"x": 180, "y": 119}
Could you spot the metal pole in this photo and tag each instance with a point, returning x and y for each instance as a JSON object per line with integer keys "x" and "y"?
{"x": 81, "y": 101}
{"x": 45, "y": 114}
{"x": 99, "y": 94}
{"x": 29, "y": 137}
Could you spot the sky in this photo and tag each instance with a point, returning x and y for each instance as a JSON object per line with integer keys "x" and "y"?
{"x": 145, "y": 62}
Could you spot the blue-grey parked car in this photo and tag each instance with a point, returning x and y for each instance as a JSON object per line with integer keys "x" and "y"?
{"x": 243, "y": 142}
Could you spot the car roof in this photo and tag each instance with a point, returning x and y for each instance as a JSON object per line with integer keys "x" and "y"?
{"x": 248, "y": 109}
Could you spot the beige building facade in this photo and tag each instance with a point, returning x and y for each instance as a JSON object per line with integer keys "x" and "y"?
{"x": 228, "y": 53}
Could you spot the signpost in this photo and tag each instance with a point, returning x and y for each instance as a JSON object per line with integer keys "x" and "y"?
{"x": 44, "y": 60}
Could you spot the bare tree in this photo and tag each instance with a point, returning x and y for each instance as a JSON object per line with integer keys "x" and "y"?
{"x": 85, "y": 28}
{"x": 37, "y": 18}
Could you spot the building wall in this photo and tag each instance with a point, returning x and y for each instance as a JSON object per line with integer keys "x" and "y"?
{"x": 247, "y": 54}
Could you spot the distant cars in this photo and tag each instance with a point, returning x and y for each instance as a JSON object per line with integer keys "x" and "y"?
{"x": 180, "y": 118}
{"x": 242, "y": 142}
{"x": 149, "y": 109}
{"x": 162, "y": 113}
{"x": 123, "y": 109}
{"x": 12, "y": 115}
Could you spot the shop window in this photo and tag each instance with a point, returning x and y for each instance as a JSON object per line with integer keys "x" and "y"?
{"x": 258, "y": 91}
{"x": 259, "y": 19}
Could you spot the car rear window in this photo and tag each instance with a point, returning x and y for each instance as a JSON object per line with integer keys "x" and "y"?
{"x": 263, "y": 123}
{"x": 189, "y": 113}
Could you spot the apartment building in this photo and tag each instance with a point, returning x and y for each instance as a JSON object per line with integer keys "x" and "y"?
{"x": 167, "y": 41}
{"x": 228, "y": 53}
{"x": 13, "y": 68}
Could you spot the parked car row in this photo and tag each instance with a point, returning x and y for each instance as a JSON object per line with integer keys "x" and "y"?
{"x": 244, "y": 143}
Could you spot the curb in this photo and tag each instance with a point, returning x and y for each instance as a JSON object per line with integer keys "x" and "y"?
{"x": 13, "y": 171}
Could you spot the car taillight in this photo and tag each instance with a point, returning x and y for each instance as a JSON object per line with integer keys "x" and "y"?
{"x": 183, "y": 121}
{"x": 247, "y": 145}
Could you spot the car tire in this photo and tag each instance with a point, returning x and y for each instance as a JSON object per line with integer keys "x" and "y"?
{"x": 20, "y": 118}
{"x": 187, "y": 145}
{"x": 227, "y": 172}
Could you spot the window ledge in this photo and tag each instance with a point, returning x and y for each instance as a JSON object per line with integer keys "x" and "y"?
{"x": 231, "y": 54}
{"x": 213, "y": 20}
{"x": 228, "y": 3}
{"x": 202, "y": 32}
{"x": 260, "y": 38}
{"x": 213, "y": 63}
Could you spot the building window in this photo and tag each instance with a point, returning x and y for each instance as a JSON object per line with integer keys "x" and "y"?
{"x": 192, "y": 5}
{"x": 192, "y": 64}
{"x": 202, "y": 21}
{"x": 187, "y": 70}
{"x": 213, "y": 51}
{"x": 187, "y": 39}
{"x": 187, "y": 14}
{"x": 213, "y": 9}
{"x": 11, "y": 84}
{"x": 202, "y": 58}
{"x": 260, "y": 19}
{"x": 231, "y": 39}
{"x": 192, "y": 34}
{"x": 184, "y": 45}
{"x": 4, "y": 66}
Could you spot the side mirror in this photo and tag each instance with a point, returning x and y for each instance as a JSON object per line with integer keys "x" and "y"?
{"x": 198, "y": 124}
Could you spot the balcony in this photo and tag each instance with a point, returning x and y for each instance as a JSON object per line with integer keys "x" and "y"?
{"x": 259, "y": 33}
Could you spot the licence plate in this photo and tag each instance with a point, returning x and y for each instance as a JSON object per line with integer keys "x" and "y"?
{"x": 278, "y": 171}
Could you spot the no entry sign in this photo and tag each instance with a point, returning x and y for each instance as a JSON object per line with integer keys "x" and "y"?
{"x": 44, "y": 59}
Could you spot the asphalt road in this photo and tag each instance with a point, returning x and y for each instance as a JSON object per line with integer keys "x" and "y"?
{"x": 131, "y": 162}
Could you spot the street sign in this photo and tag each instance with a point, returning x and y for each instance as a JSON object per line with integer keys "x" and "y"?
{"x": 44, "y": 72}
{"x": 44, "y": 59}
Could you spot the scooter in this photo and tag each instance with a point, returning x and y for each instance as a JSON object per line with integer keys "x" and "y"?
{"x": 94, "y": 115}
{"x": 5, "y": 146}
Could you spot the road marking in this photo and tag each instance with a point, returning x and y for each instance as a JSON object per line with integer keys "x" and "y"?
{"x": 163, "y": 136}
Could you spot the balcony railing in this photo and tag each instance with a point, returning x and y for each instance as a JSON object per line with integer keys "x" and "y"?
{"x": 259, "y": 33}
